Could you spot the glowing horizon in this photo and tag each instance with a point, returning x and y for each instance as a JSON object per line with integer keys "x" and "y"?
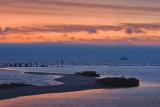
{"x": 87, "y": 22}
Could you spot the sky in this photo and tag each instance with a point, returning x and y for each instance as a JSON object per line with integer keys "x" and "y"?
{"x": 85, "y": 51}
{"x": 98, "y": 22}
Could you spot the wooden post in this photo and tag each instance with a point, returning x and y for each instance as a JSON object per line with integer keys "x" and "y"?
{"x": 62, "y": 63}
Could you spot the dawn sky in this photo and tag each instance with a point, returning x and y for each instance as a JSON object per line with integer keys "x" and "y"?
{"x": 110, "y": 22}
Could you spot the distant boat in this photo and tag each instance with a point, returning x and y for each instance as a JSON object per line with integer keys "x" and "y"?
{"x": 124, "y": 58}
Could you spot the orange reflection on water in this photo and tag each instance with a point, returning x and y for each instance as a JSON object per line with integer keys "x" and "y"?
{"x": 149, "y": 84}
{"x": 143, "y": 96}
{"x": 49, "y": 100}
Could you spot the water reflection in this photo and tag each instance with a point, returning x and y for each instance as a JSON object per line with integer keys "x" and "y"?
{"x": 133, "y": 97}
{"x": 149, "y": 84}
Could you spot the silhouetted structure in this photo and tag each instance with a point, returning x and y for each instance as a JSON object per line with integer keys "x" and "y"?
{"x": 27, "y": 64}
{"x": 62, "y": 63}
{"x": 124, "y": 57}
{"x": 36, "y": 64}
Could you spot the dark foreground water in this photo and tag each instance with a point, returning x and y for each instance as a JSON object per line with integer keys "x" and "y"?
{"x": 133, "y": 97}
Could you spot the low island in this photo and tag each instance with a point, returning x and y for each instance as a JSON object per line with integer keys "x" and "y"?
{"x": 71, "y": 82}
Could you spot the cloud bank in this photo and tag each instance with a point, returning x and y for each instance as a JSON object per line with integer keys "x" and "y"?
{"x": 52, "y": 6}
{"x": 129, "y": 28}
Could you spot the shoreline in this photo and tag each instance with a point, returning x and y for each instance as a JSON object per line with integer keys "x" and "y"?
{"x": 71, "y": 83}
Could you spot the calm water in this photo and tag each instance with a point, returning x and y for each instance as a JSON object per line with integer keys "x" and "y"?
{"x": 149, "y": 74}
{"x": 147, "y": 95}
{"x": 133, "y": 97}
